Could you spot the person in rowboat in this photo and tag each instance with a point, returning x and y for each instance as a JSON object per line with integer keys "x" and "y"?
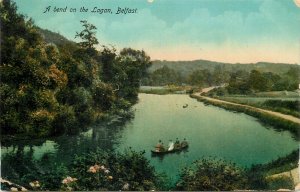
{"x": 184, "y": 142}
{"x": 177, "y": 144}
{"x": 159, "y": 147}
{"x": 171, "y": 146}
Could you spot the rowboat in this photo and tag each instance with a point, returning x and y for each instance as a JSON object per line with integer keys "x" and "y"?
{"x": 185, "y": 106}
{"x": 177, "y": 149}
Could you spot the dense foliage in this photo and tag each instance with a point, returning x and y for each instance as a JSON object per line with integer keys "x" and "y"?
{"x": 239, "y": 81}
{"x": 188, "y": 67}
{"x": 288, "y": 105}
{"x": 164, "y": 76}
{"x": 109, "y": 171}
{"x": 201, "y": 78}
{"x": 245, "y": 83}
{"x": 101, "y": 170}
{"x": 49, "y": 89}
{"x": 212, "y": 175}
{"x": 95, "y": 171}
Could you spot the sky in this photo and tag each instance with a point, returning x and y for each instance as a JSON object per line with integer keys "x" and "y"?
{"x": 233, "y": 31}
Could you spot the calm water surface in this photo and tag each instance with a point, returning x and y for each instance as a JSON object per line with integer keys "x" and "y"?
{"x": 211, "y": 131}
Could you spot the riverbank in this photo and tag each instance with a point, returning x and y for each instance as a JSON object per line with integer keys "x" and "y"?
{"x": 282, "y": 173}
{"x": 277, "y": 174}
{"x": 164, "y": 90}
{"x": 285, "y": 102}
{"x": 278, "y": 120}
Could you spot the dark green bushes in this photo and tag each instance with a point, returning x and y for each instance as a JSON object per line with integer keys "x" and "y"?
{"x": 291, "y": 105}
{"x": 212, "y": 175}
{"x": 112, "y": 171}
{"x": 281, "y": 164}
{"x": 94, "y": 171}
{"x": 107, "y": 170}
{"x": 242, "y": 82}
{"x": 287, "y": 107}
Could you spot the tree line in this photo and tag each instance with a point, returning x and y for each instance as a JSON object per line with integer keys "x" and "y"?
{"x": 49, "y": 89}
{"x": 239, "y": 82}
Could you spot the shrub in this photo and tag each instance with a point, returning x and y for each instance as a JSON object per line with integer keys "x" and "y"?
{"x": 292, "y": 105}
{"x": 211, "y": 175}
{"x": 101, "y": 170}
{"x": 280, "y": 182}
{"x": 48, "y": 179}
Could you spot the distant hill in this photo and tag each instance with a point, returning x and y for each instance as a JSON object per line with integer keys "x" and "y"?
{"x": 52, "y": 37}
{"x": 187, "y": 67}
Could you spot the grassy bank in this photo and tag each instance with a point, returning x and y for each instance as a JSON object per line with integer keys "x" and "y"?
{"x": 262, "y": 176}
{"x": 289, "y": 106}
{"x": 268, "y": 119}
{"x": 279, "y": 165}
{"x": 171, "y": 89}
{"x": 286, "y": 102}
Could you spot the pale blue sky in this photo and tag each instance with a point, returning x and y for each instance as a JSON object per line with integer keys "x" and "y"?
{"x": 220, "y": 30}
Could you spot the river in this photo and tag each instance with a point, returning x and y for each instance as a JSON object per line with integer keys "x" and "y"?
{"x": 210, "y": 131}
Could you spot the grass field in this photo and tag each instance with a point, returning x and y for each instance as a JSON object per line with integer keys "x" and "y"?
{"x": 280, "y": 101}
{"x": 268, "y": 119}
{"x": 163, "y": 90}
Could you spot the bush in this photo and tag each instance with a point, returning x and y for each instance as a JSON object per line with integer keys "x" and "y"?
{"x": 94, "y": 171}
{"x": 281, "y": 182}
{"x": 113, "y": 171}
{"x": 48, "y": 179}
{"x": 292, "y": 105}
{"x": 212, "y": 175}
{"x": 256, "y": 178}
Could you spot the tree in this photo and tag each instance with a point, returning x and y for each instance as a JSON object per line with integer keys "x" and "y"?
{"x": 238, "y": 83}
{"x": 165, "y": 76}
{"x": 201, "y": 78}
{"x": 110, "y": 70}
{"x": 134, "y": 64}
{"x": 87, "y": 35}
{"x": 220, "y": 76}
{"x": 256, "y": 81}
{"x": 49, "y": 89}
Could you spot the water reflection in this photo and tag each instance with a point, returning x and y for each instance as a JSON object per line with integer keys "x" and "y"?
{"x": 23, "y": 157}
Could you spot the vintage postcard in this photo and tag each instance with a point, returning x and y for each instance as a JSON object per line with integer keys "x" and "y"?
{"x": 150, "y": 95}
